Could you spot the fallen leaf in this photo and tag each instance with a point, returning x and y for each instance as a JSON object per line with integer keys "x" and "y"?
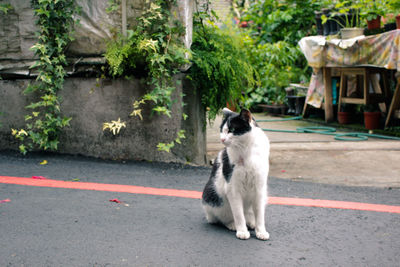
{"x": 116, "y": 200}
{"x": 283, "y": 171}
{"x": 39, "y": 177}
{"x": 44, "y": 162}
{"x": 5, "y": 200}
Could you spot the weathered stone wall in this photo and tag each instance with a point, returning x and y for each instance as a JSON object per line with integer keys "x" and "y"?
{"x": 222, "y": 7}
{"x": 17, "y": 27}
{"x": 91, "y": 105}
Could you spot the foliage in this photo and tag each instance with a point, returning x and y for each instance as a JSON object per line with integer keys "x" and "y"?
{"x": 371, "y": 9}
{"x": 43, "y": 125}
{"x": 274, "y": 29}
{"x": 114, "y": 126}
{"x": 346, "y": 14}
{"x": 5, "y": 8}
{"x": 167, "y": 146}
{"x": 394, "y": 6}
{"x": 356, "y": 12}
{"x": 221, "y": 69}
{"x": 286, "y": 20}
{"x": 275, "y": 63}
{"x": 152, "y": 49}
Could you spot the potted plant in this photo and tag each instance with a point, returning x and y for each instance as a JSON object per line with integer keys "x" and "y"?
{"x": 389, "y": 21}
{"x": 372, "y": 11}
{"x": 275, "y": 104}
{"x": 346, "y": 14}
{"x": 295, "y": 96}
{"x": 344, "y": 114}
{"x": 394, "y": 9}
{"x": 372, "y": 116}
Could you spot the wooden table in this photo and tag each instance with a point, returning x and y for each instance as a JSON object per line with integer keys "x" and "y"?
{"x": 381, "y": 51}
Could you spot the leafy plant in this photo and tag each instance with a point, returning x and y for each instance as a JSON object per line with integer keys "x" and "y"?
{"x": 394, "y": 6}
{"x": 275, "y": 63}
{"x": 271, "y": 21}
{"x": 152, "y": 49}
{"x": 221, "y": 69}
{"x": 345, "y": 13}
{"x": 43, "y": 125}
{"x": 371, "y": 9}
{"x": 5, "y": 8}
{"x": 167, "y": 146}
{"x": 274, "y": 29}
{"x": 114, "y": 126}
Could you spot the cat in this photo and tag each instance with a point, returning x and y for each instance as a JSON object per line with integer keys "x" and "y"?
{"x": 236, "y": 192}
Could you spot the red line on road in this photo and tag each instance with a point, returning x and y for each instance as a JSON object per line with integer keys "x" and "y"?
{"x": 193, "y": 194}
{"x": 133, "y": 189}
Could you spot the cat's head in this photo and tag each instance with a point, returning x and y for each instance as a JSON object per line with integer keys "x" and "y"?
{"x": 235, "y": 126}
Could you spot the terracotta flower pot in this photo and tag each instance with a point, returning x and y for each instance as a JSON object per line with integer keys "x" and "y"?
{"x": 374, "y": 24}
{"x": 371, "y": 120}
{"x": 344, "y": 117}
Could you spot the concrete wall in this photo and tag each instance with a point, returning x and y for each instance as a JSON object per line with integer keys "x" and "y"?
{"x": 222, "y": 8}
{"x": 17, "y": 27}
{"x": 90, "y": 106}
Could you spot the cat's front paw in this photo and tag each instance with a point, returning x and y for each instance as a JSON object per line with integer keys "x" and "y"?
{"x": 243, "y": 235}
{"x": 262, "y": 235}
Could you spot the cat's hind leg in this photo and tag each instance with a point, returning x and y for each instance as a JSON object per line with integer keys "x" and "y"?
{"x": 250, "y": 218}
{"x": 221, "y": 215}
{"x": 210, "y": 216}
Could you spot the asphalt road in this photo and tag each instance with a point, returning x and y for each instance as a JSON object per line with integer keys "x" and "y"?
{"x": 42, "y": 226}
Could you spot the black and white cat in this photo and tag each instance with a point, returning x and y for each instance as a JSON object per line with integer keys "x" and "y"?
{"x": 236, "y": 193}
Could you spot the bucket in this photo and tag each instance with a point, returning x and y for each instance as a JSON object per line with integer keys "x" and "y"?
{"x": 348, "y": 33}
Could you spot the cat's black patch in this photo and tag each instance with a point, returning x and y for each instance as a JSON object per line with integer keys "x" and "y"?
{"x": 210, "y": 195}
{"x": 238, "y": 126}
{"x": 227, "y": 167}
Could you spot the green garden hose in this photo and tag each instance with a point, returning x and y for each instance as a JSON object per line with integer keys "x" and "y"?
{"x": 327, "y": 131}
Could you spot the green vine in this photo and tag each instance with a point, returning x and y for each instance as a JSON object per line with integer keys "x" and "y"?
{"x": 44, "y": 124}
{"x": 220, "y": 70}
{"x": 152, "y": 49}
{"x": 5, "y": 8}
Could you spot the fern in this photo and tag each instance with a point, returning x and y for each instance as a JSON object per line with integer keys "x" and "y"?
{"x": 221, "y": 69}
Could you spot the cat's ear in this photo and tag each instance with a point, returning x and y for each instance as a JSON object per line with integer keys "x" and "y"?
{"x": 227, "y": 112}
{"x": 246, "y": 115}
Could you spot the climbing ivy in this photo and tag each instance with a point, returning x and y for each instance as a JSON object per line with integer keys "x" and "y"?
{"x": 153, "y": 49}
{"x": 5, "y": 8}
{"x": 43, "y": 125}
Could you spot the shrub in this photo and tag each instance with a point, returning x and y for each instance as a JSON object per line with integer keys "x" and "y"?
{"x": 221, "y": 67}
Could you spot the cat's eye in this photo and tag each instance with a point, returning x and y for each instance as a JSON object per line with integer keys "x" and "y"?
{"x": 230, "y": 129}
